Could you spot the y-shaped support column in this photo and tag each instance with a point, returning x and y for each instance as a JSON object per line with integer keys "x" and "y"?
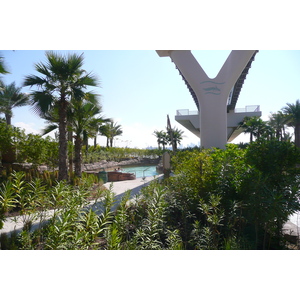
{"x": 212, "y": 94}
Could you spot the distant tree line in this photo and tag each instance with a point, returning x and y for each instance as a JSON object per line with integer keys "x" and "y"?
{"x": 276, "y": 126}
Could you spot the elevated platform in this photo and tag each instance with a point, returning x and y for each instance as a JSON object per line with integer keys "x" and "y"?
{"x": 191, "y": 120}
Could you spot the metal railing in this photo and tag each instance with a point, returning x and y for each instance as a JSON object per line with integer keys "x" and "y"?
{"x": 248, "y": 108}
{"x": 144, "y": 173}
{"x": 186, "y": 112}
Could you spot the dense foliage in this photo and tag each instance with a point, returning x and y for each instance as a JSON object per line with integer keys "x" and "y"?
{"x": 217, "y": 199}
{"x": 238, "y": 195}
{"x": 18, "y": 147}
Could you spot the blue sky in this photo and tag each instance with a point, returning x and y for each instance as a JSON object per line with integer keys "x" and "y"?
{"x": 139, "y": 88}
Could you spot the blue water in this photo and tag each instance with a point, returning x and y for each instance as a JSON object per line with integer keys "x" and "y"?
{"x": 140, "y": 171}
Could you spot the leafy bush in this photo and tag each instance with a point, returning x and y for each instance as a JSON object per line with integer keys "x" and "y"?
{"x": 16, "y": 146}
{"x": 217, "y": 199}
{"x": 257, "y": 189}
{"x": 10, "y": 138}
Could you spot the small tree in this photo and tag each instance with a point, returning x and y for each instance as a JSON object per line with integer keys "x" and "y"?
{"x": 161, "y": 137}
{"x": 10, "y": 138}
{"x": 81, "y": 117}
{"x": 110, "y": 130}
{"x": 11, "y": 97}
{"x": 255, "y": 126}
{"x": 292, "y": 112}
{"x": 175, "y": 137}
{"x": 271, "y": 188}
{"x": 278, "y": 122}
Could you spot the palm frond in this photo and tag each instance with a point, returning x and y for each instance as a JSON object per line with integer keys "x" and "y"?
{"x": 41, "y": 68}
{"x": 32, "y": 80}
{"x": 49, "y": 128}
{"x": 88, "y": 80}
{"x": 41, "y": 102}
{"x": 75, "y": 62}
{"x": 11, "y": 97}
{"x": 2, "y": 67}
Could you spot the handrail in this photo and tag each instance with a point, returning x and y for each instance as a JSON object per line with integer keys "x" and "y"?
{"x": 144, "y": 172}
{"x": 248, "y": 108}
{"x": 185, "y": 112}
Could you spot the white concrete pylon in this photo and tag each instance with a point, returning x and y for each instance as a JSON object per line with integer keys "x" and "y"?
{"x": 212, "y": 93}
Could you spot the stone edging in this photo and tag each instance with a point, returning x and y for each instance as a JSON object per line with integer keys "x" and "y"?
{"x": 110, "y": 164}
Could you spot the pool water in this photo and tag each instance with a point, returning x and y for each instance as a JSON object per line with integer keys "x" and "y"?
{"x": 140, "y": 171}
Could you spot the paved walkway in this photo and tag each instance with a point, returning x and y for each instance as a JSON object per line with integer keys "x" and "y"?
{"x": 119, "y": 188}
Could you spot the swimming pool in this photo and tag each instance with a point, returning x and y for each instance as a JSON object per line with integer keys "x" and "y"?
{"x": 140, "y": 171}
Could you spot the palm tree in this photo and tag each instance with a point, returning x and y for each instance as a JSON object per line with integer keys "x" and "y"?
{"x": 292, "y": 112}
{"x": 80, "y": 119}
{"x": 62, "y": 79}
{"x": 266, "y": 131}
{"x": 95, "y": 125}
{"x": 110, "y": 130}
{"x": 82, "y": 115}
{"x": 104, "y": 130}
{"x": 177, "y": 136}
{"x": 278, "y": 122}
{"x": 11, "y": 97}
{"x": 255, "y": 126}
{"x": 161, "y": 138}
{"x": 115, "y": 130}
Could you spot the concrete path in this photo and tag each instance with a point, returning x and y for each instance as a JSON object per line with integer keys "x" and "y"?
{"x": 119, "y": 188}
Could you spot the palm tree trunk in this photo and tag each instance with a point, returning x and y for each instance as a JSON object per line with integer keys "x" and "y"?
{"x": 85, "y": 141}
{"x": 283, "y": 131}
{"x": 297, "y": 135}
{"x": 70, "y": 139}
{"x": 78, "y": 146}
{"x": 8, "y": 118}
{"x": 63, "y": 145}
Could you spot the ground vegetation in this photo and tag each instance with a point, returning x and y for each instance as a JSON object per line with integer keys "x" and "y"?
{"x": 217, "y": 199}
